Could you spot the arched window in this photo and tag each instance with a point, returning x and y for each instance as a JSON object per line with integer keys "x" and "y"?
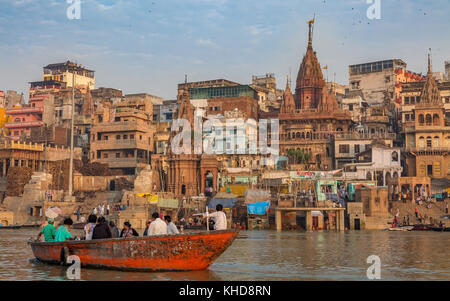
{"x": 307, "y": 135}
{"x": 289, "y": 135}
{"x": 421, "y": 119}
{"x": 435, "y": 119}
{"x": 17, "y": 120}
{"x": 436, "y": 141}
{"x": 428, "y": 119}
{"x": 421, "y": 142}
{"x": 298, "y": 135}
{"x": 394, "y": 157}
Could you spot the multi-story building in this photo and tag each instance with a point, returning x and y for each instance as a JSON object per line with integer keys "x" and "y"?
{"x": 347, "y": 146}
{"x": 427, "y": 141}
{"x": 269, "y": 97}
{"x": 2, "y": 99}
{"x": 380, "y": 80}
{"x": 380, "y": 163}
{"x": 13, "y": 99}
{"x": 410, "y": 96}
{"x": 122, "y": 135}
{"x": 38, "y": 112}
{"x": 354, "y": 103}
{"x": 64, "y": 73}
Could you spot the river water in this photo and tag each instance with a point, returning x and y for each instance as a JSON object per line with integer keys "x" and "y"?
{"x": 271, "y": 255}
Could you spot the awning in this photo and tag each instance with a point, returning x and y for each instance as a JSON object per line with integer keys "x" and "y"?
{"x": 226, "y": 203}
{"x": 258, "y": 208}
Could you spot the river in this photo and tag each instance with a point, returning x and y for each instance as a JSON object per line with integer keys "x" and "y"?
{"x": 271, "y": 255}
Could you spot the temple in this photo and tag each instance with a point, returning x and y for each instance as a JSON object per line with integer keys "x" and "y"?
{"x": 310, "y": 119}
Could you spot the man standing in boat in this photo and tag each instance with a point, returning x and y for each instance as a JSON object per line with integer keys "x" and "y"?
{"x": 49, "y": 231}
{"x": 220, "y": 218}
{"x": 158, "y": 226}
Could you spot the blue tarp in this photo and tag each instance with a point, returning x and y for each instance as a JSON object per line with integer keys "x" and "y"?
{"x": 226, "y": 203}
{"x": 258, "y": 208}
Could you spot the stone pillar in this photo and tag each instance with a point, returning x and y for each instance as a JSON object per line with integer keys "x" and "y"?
{"x": 278, "y": 219}
{"x": 340, "y": 222}
{"x": 4, "y": 167}
{"x": 308, "y": 220}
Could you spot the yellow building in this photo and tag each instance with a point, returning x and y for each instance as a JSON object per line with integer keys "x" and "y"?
{"x": 428, "y": 141}
{"x": 63, "y": 72}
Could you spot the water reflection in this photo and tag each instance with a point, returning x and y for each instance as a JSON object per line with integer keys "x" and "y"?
{"x": 270, "y": 255}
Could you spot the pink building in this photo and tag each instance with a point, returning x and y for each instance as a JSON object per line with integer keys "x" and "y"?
{"x": 24, "y": 118}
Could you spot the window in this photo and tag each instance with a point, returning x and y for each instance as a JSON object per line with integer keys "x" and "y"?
{"x": 118, "y": 137}
{"x": 117, "y": 155}
{"x": 394, "y": 157}
{"x": 350, "y": 107}
{"x": 116, "y": 119}
{"x": 132, "y": 137}
{"x": 140, "y": 137}
{"x": 407, "y": 100}
{"x": 344, "y": 149}
{"x": 407, "y": 117}
{"x": 356, "y": 148}
{"x": 125, "y": 136}
{"x": 106, "y": 137}
{"x": 429, "y": 142}
{"x": 105, "y": 155}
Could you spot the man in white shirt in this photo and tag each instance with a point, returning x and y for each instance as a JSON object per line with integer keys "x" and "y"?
{"x": 171, "y": 228}
{"x": 158, "y": 226}
{"x": 220, "y": 219}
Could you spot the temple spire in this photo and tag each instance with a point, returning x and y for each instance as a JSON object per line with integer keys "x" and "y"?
{"x": 310, "y": 24}
{"x": 429, "y": 61}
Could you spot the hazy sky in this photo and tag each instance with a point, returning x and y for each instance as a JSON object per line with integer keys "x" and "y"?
{"x": 148, "y": 45}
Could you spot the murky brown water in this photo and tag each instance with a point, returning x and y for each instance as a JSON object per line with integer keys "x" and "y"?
{"x": 268, "y": 255}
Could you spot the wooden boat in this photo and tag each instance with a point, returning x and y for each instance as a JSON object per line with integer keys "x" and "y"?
{"x": 402, "y": 228}
{"x": 183, "y": 252}
{"x": 439, "y": 229}
{"x": 11, "y": 227}
{"x": 422, "y": 227}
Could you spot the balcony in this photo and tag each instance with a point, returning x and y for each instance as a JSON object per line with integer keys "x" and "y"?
{"x": 120, "y": 144}
{"x": 23, "y": 124}
{"x": 25, "y": 110}
{"x": 428, "y": 150}
{"x": 123, "y": 162}
{"x": 124, "y": 126}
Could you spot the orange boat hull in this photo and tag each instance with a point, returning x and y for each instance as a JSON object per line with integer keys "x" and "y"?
{"x": 185, "y": 252}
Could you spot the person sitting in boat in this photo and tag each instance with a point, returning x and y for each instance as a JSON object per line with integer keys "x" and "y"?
{"x": 158, "y": 226}
{"x": 147, "y": 225}
{"x": 90, "y": 226}
{"x": 220, "y": 219}
{"x": 63, "y": 232}
{"x": 114, "y": 231}
{"x": 128, "y": 231}
{"x": 171, "y": 228}
{"x": 49, "y": 231}
{"x": 101, "y": 230}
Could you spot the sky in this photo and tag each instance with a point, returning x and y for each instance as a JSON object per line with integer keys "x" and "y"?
{"x": 147, "y": 46}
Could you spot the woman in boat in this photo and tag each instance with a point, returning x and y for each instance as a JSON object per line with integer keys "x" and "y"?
{"x": 101, "y": 230}
{"x": 114, "y": 231}
{"x": 89, "y": 227}
{"x": 128, "y": 231}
